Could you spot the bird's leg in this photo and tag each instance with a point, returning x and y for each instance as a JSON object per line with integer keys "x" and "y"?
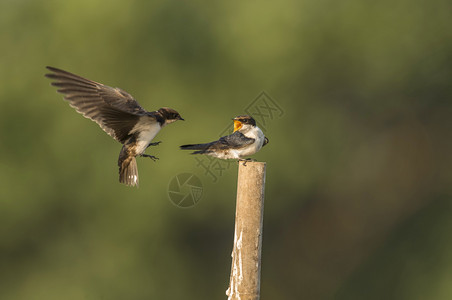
{"x": 154, "y": 144}
{"x": 246, "y": 160}
{"x": 150, "y": 156}
{"x": 154, "y": 158}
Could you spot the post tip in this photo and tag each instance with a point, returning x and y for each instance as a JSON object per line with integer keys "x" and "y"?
{"x": 247, "y": 163}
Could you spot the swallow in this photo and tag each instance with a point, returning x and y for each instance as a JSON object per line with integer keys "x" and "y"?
{"x": 118, "y": 114}
{"x": 246, "y": 140}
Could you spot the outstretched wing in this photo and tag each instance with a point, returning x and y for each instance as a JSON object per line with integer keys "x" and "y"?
{"x": 113, "y": 109}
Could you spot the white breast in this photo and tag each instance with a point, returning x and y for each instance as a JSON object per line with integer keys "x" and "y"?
{"x": 148, "y": 128}
{"x": 254, "y": 133}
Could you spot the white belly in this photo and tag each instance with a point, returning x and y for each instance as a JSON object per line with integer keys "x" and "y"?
{"x": 148, "y": 129}
{"x": 227, "y": 154}
{"x": 257, "y": 134}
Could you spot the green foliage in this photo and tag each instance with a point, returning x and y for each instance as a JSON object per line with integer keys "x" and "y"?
{"x": 362, "y": 149}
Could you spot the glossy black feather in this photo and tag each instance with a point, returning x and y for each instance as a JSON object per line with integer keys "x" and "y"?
{"x": 233, "y": 141}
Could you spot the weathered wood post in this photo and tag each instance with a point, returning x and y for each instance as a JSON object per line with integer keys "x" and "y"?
{"x": 244, "y": 283}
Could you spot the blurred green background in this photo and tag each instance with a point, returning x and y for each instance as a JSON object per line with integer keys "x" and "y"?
{"x": 358, "y": 197}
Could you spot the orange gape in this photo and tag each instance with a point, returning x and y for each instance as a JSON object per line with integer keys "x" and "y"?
{"x": 237, "y": 125}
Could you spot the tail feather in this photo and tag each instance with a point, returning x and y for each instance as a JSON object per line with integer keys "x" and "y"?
{"x": 201, "y": 148}
{"x": 128, "y": 169}
{"x": 128, "y": 172}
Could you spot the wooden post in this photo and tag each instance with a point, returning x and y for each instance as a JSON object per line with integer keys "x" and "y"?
{"x": 244, "y": 283}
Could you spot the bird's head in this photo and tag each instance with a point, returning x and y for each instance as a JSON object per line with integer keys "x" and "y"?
{"x": 243, "y": 123}
{"x": 169, "y": 115}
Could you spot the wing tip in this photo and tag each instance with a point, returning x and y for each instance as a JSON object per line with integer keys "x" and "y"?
{"x": 52, "y": 75}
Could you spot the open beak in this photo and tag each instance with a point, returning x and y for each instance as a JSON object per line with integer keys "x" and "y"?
{"x": 237, "y": 125}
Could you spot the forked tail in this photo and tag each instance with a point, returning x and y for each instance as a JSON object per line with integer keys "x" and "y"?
{"x": 128, "y": 169}
{"x": 201, "y": 148}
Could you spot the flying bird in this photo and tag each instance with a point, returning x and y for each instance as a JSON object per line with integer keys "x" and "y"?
{"x": 246, "y": 140}
{"x": 118, "y": 114}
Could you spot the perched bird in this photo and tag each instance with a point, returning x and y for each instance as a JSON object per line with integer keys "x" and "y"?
{"x": 246, "y": 140}
{"x": 118, "y": 114}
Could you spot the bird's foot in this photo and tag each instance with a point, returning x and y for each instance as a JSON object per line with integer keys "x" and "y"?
{"x": 154, "y": 144}
{"x": 246, "y": 160}
{"x": 154, "y": 158}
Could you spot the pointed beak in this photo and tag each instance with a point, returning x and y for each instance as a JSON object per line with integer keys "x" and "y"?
{"x": 182, "y": 119}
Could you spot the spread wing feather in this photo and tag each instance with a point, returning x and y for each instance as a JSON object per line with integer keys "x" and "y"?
{"x": 113, "y": 109}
